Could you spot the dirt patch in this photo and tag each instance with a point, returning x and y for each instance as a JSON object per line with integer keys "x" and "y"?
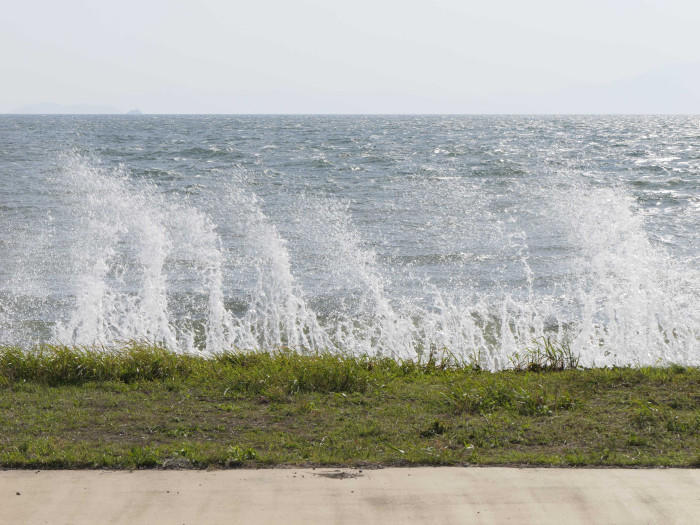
{"x": 339, "y": 474}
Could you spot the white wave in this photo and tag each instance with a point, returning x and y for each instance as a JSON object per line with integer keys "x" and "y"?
{"x": 149, "y": 265}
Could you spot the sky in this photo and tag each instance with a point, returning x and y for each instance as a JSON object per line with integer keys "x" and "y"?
{"x": 352, "y": 56}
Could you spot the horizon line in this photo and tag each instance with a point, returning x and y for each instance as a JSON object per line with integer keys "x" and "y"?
{"x": 329, "y": 114}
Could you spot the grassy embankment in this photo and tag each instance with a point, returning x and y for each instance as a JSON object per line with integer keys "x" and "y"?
{"x": 145, "y": 407}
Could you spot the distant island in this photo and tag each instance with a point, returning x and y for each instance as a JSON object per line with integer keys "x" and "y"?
{"x": 134, "y": 112}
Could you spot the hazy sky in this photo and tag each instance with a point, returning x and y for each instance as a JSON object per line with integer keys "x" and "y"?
{"x": 352, "y": 56}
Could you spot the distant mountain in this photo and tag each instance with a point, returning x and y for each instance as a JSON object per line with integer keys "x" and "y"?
{"x": 72, "y": 109}
{"x": 134, "y": 112}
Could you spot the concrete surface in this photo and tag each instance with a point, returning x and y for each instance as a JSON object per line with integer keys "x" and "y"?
{"x": 387, "y": 496}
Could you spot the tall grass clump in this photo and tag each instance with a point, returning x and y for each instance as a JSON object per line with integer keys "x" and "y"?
{"x": 284, "y": 372}
{"x": 280, "y": 373}
{"x": 546, "y": 354}
{"x": 495, "y": 393}
{"x": 63, "y": 365}
{"x": 287, "y": 372}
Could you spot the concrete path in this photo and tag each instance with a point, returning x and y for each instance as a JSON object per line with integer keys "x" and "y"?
{"x": 387, "y": 496}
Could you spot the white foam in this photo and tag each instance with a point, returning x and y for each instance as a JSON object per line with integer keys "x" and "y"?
{"x": 638, "y": 305}
{"x": 151, "y": 266}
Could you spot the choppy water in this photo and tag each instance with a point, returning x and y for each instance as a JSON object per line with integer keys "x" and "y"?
{"x": 390, "y": 235}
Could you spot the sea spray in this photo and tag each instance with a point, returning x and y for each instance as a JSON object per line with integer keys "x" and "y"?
{"x": 277, "y": 315}
{"x": 201, "y": 269}
{"x": 119, "y": 246}
{"x": 131, "y": 248}
{"x": 471, "y": 262}
{"x": 456, "y": 323}
{"x": 28, "y": 287}
{"x": 372, "y": 326}
{"x": 636, "y": 305}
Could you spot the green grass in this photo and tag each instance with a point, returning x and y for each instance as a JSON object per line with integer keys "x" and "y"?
{"x": 144, "y": 407}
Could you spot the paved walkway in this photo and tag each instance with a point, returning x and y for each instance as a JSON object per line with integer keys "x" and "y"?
{"x": 387, "y": 496}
